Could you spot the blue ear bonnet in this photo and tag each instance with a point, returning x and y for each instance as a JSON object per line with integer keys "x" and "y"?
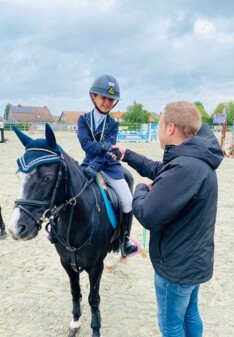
{"x": 38, "y": 151}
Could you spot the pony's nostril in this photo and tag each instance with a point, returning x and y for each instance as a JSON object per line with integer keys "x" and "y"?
{"x": 22, "y": 230}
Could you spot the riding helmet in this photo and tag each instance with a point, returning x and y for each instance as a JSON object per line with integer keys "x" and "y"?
{"x": 107, "y": 86}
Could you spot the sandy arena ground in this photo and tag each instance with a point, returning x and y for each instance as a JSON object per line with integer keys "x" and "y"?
{"x": 35, "y": 295}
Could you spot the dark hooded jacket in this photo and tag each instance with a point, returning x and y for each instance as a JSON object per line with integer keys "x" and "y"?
{"x": 180, "y": 209}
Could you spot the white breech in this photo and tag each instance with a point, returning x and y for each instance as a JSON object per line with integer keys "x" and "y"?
{"x": 121, "y": 187}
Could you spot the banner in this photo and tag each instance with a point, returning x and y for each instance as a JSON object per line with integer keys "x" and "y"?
{"x": 220, "y": 118}
{"x": 147, "y": 133}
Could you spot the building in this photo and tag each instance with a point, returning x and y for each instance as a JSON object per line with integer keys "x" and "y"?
{"x": 56, "y": 118}
{"x": 30, "y": 114}
{"x": 117, "y": 115}
{"x": 70, "y": 118}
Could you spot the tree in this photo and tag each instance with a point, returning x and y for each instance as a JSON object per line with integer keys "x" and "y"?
{"x": 6, "y": 111}
{"x": 136, "y": 114}
{"x": 205, "y": 117}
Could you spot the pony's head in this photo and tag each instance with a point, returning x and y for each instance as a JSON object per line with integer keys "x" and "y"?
{"x": 38, "y": 172}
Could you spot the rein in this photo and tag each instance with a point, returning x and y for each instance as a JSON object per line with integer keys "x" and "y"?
{"x": 54, "y": 213}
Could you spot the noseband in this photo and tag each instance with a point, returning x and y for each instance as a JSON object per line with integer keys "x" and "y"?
{"x": 19, "y": 203}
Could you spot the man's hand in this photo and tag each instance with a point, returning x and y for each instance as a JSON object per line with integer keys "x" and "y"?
{"x": 146, "y": 182}
{"x": 118, "y": 152}
{"x": 114, "y": 153}
{"x": 91, "y": 172}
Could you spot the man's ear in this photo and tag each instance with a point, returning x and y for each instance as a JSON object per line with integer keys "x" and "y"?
{"x": 171, "y": 129}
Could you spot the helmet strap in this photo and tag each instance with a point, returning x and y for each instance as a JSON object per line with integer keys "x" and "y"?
{"x": 101, "y": 112}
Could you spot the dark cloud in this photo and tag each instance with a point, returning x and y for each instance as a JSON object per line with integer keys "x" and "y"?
{"x": 50, "y": 51}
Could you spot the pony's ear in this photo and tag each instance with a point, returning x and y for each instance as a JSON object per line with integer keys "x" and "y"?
{"x": 25, "y": 140}
{"x": 50, "y": 137}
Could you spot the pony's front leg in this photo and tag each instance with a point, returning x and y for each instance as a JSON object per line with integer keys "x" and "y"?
{"x": 74, "y": 278}
{"x": 95, "y": 275}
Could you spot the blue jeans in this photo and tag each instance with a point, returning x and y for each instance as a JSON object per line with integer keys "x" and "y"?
{"x": 178, "y": 314}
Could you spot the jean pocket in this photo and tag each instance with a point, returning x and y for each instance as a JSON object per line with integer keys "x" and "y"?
{"x": 185, "y": 289}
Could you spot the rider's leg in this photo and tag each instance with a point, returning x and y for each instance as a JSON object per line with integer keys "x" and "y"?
{"x": 125, "y": 196}
{"x": 127, "y": 247}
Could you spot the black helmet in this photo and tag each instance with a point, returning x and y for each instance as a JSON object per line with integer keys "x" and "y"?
{"x": 106, "y": 86}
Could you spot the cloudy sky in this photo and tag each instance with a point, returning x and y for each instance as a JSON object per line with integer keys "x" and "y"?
{"x": 160, "y": 51}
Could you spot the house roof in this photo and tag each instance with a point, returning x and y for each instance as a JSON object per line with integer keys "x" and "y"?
{"x": 55, "y": 118}
{"x": 70, "y": 117}
{"x": 21, "y": 113}
{"x": 117, "y": 114}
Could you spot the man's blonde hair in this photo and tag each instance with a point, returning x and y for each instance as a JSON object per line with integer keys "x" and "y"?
{"x": 186, "y": 117}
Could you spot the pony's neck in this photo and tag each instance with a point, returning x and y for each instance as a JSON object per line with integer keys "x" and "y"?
{"x": 76, "y": 176}
{"x": 76, "y": 181}
{"x": 82, "y": 209}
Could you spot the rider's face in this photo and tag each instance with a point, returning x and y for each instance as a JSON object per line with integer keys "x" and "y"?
{"x": 103, "y": 103}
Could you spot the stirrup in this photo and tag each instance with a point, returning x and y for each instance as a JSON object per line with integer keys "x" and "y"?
{"x": 122, "y": 248}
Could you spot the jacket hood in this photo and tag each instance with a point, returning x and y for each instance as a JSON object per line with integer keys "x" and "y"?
{"x": 204, "y": 146}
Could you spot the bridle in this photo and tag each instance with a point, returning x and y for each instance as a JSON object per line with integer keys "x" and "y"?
{"x": 53, "y": 210}
{"x": 21, "y": 203}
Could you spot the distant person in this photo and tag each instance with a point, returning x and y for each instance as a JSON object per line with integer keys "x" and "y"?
{"x": 2, "y": 224}
{"x": 179, "y": 209}
{"x": 97, "y": 132}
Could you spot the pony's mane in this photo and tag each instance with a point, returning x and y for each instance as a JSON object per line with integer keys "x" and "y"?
{"x": 72, "y": 163}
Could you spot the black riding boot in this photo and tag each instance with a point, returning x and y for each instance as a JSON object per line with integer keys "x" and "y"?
{"x": 126, "y": 246}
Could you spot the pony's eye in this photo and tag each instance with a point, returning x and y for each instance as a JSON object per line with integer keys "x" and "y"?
{"x": 48, "y": 178}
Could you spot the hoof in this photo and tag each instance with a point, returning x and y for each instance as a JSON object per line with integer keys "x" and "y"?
{"x": 3, "y": 235}
{"x": 73, "y": 328}
{"x": 96, "y": 333}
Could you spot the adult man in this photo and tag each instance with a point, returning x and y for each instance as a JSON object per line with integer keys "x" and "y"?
{"x": 179, "y": 209}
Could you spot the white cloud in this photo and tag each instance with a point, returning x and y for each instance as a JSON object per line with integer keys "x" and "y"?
{"x": 204, "y": 28}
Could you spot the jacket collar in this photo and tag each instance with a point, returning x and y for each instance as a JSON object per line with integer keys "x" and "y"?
{"x": 99, "y": 129}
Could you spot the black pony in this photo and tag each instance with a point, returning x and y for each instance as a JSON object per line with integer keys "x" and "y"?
{"x": 53, "y": 187}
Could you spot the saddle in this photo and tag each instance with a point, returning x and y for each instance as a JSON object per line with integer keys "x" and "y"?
{"x": 114, "y": 202}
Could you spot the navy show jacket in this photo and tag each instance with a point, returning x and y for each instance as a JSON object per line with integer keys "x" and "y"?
{"x": 90, "y": 143}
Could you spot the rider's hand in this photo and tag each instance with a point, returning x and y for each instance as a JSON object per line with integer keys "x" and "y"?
{"x": 91, "y": 172}
{"x": 106, "y": 147}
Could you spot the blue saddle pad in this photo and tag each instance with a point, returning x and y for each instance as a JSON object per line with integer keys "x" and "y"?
{"x": 109, "y": 207}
